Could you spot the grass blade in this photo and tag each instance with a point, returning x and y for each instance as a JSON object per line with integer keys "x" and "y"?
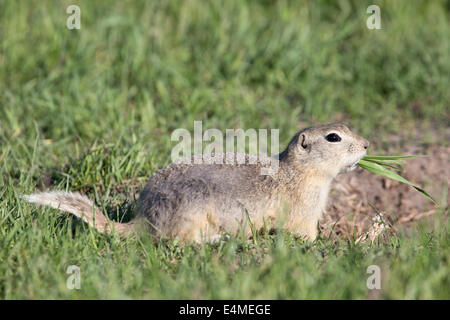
{"x": 388, "y": 164}
{"x": 383, "y": 171}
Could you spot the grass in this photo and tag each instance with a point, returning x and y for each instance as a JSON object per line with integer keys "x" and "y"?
{"x": 92, "y": 110}
{"x": 383, "y": 166}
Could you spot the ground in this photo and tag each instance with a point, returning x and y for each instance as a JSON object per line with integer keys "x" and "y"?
{"x": 92, "y": 110}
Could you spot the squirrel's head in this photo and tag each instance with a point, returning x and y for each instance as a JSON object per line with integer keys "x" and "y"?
{"x": 328, "y": 149}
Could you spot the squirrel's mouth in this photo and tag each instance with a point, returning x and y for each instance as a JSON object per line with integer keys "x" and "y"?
{"x": 350, "y": 167}
{"x": 353, "y": 165}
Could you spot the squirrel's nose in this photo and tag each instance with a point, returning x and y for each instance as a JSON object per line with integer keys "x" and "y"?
{"x": 366, "y": 144}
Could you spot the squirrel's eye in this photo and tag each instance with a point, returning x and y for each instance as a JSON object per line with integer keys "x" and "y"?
{"x": 333, "y": 137}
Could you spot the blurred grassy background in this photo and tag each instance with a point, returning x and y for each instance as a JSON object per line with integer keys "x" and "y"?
{"x": 93, "y": 109}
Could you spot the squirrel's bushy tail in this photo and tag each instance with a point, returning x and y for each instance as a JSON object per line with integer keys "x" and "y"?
{"x": 81, "y": 207}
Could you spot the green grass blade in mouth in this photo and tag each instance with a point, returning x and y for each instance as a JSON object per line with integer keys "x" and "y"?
{"x": 389, "y": 164}
{"x": 377, "y": 168}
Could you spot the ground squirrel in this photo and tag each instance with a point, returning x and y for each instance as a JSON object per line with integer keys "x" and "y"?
{"x": 201, "y": 202}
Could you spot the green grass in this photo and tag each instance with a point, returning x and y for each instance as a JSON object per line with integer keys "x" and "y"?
{"x": 93, "y": 109}
{"x": 383, "y": 166}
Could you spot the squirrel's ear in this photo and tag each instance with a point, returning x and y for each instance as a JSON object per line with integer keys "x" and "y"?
{"x": 303, "y": 144}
